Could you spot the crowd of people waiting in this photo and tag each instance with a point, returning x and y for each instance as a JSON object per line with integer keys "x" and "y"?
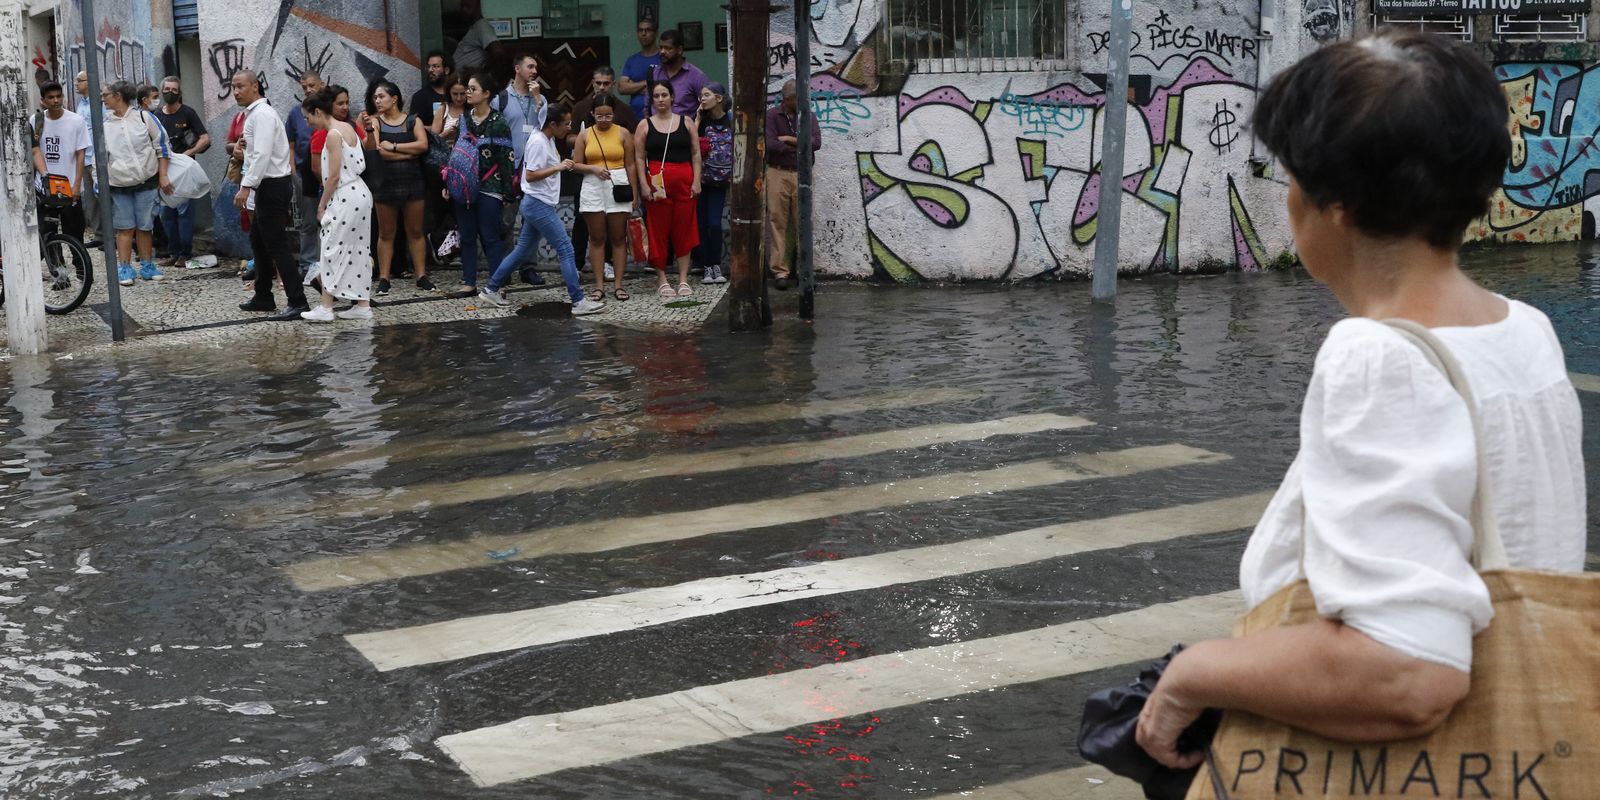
{"x": 468, "y": 161}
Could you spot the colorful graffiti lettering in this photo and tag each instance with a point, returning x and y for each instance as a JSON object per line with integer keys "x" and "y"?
{"x": 1551, "y": 190}
{"x": 1042, "y": 116}
{"x": 838, "y": 109}
{"x": 964, "y": 172}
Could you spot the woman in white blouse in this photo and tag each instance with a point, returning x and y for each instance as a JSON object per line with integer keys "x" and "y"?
{"x": 1392, "y": 145}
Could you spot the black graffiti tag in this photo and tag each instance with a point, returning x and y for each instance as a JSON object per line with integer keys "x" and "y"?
{"x": 1223, "y": 133}
{"x": 227, "y": 58}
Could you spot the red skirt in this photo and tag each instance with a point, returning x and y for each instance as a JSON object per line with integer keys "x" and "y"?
{"x": 673, "y": 223}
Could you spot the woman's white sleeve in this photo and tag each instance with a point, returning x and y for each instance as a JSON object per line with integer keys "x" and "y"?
{"x": 1390, "y": 469}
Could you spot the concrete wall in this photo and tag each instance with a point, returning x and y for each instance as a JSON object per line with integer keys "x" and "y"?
{"x": 132, "y": 42}
{"x": 995, "y": 176}
{"x": 349, "y": 42}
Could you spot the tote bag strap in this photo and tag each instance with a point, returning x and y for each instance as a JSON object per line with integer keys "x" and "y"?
{"x": 1488, "y": 549}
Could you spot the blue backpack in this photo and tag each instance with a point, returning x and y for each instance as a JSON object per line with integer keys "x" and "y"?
{"x": 719, "y": 155}
{"x": 462, "y": 175}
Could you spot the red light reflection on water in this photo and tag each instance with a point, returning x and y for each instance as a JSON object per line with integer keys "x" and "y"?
{"x": 813, "y": 642}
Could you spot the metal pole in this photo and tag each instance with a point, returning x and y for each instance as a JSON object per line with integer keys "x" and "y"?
{"x": 26, "y": 333}
{"x": 1108, "y": 226}
{"x": 748, "y": 309}
{"x": 97, "y": 116}
{"x": 803, "y": 116}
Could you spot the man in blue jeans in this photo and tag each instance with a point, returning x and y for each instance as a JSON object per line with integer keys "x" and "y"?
{"x": 186, "y": 134}
{"x": 542, "y": 167}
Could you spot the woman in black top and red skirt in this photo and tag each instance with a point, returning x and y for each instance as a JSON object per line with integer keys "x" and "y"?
{"x": 668, "y": 149}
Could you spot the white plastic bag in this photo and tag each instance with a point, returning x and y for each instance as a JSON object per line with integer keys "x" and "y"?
{"x": 189, "y": 181}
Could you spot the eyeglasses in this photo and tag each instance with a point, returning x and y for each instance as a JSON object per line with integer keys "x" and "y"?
{"x": 605, "y": 116}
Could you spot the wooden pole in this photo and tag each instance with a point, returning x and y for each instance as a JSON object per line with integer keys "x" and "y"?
{"x": 19, "y": 227}
{"x": 748, "y": 309}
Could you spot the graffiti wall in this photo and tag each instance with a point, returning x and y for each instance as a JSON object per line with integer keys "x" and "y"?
{"x": 132, "y": 42}
{"x": 995, "y": 175}
{"x": 1551, "y": 191}
{"x": 348, "y": 42}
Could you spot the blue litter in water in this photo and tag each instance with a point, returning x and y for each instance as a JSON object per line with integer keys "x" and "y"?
{"x": 501, "y": 555}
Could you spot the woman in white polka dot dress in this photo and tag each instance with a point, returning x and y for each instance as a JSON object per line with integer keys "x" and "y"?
{"x": 346, "y": 216}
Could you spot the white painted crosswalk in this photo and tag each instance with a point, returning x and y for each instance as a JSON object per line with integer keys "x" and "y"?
{"x": 610, "y": 534}
{"x": 474, "y": 636}
{"x": 540, "y": 745}
{"x": 673, "y": 464}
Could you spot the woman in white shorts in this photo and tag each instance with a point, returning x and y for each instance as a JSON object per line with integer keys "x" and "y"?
{"x": 603, "y": 154}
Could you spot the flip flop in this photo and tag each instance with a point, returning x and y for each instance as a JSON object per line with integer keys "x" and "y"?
{"x": 685, "y": 290}
{"x": 666, "y": 292}
{"x": 620, "y": 293}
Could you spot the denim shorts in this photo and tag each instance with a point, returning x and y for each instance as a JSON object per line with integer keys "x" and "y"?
{"x": 133, "y": 209}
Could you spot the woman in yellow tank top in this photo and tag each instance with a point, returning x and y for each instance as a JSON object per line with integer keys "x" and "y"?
{"x": 604, "y": 154}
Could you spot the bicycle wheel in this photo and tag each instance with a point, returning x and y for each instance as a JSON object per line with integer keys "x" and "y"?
{"x": 68, "y": 273}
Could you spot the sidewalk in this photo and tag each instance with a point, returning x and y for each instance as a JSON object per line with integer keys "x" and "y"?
{"x": 203, "y": 305}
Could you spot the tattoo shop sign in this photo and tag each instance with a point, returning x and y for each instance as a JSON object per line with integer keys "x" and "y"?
{"x": 1477, "y": 6}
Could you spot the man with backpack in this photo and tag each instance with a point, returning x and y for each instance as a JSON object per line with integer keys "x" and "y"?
{"x": 523, "y": 105}
{"x": 136, "y": 168}
{"x": 60, "y": 141}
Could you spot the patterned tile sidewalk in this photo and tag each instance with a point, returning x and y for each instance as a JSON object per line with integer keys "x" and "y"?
{"x": 197, "y": 306}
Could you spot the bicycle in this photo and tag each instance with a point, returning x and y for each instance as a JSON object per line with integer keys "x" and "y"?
{"x": 68, "y": 270}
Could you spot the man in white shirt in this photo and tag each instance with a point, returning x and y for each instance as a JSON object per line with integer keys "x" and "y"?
{"x": 267, "y": 192}
{"x": 60, "y": 141}
{"x": 472, "y": 53}
{"x": 541, "y": 188}
{"x": 525, "y": 109}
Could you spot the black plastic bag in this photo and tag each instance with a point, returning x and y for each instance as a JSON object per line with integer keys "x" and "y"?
{"x": 1106, "y": 735}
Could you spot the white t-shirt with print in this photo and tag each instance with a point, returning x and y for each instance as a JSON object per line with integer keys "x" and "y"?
{"x": 540, "y": 153}
{"x": 59, "y": 139}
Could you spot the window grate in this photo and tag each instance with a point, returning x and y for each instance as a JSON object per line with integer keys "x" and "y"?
{"x": 943, "y": 36}
{"x": 1454, "y": 26}
{"x": 1546, "y": 26}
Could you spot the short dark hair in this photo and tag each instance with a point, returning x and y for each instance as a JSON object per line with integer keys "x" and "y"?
{"x": 672, "y": 91}
{"x": 124, "y": 90}
{"x": 606, "y": 71}
{"x": 320, "y": 101}
{"x": 523, "y": 55}
{"x": 556, "y": 112}
{"x": 671, "y": 36}
{"x": 50, "y": 86}
{"x": 449, "y": 63}
{"x": 388, "y": 86}
{"x": 1406, "y": 130}
{"x": 485, "y": 80}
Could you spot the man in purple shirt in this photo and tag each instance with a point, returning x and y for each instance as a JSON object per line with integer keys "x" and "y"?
{"x": 783, "y": 158}
{"x": 687, "y": 80}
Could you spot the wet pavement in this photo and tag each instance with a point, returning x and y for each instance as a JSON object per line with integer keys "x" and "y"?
{"x": 886, "y": 555}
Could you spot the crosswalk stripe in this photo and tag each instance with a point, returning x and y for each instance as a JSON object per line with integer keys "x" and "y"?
{"x": 618, "y": 427}
{"x": 679, "y": 463}
{"x": 495, "y": 633}
{"x": 610, "y": 534}
{"x": 548, "y": 743}
{"x": 1090, "y": 782}
{"x": 1584, "y": 383}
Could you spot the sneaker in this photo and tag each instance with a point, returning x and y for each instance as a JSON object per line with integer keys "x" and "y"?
{"x": 493, "y": 298}
{"x": 585, "y": 307}
{"x": 611, "y": 272}
{"x": 383, "y": 286}
{"x": 722, "y": 275}
{"x": 125, "y": 274}
{"x": 355, "y": 312}
{"x": 425, "y": 284}
{"x": 318, "y": 314}
{"x": 201, "y": 262}
{"x": 148, "y": 271}
{"x": 782, "y": 284}
{"x": 532, "y": 278}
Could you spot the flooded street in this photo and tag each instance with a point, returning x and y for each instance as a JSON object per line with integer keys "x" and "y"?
{"x": 883, "y": 556}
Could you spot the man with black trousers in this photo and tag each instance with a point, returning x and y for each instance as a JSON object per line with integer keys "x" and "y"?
{"x": 267, "y": 190}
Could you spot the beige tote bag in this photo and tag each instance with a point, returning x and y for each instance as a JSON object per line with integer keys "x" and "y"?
{"x": 1529, "y": 729}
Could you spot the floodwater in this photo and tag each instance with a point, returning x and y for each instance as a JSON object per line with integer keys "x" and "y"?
{"x": 167, "y": 514}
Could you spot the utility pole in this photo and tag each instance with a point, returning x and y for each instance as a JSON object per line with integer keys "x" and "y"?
{"x": 1108, "y": 225}
{"x": 19, "y": 228}
{"x": 748, "y": 309}
{"x": 102, "y": 181}
{"x": 803, "y": 116}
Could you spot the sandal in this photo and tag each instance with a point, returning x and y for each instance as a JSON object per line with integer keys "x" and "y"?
{"x": 666, "y": 292}
{"x": 685, "y": 290}
{"x": 595, "y": 294}
{"x": 620, "y": 293}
